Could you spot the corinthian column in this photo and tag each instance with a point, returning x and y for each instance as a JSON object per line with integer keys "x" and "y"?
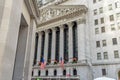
{"x": 70, "y": 42}
{"x": 39, "y": 47}
{"x": 46, "y": 45}
{"x": 61, "y": 41}
{"x": 53, "y": 44}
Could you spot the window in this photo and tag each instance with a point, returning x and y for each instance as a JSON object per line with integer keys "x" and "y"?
{"x": 46, "y": 72}
{"x": 112, "y": 27}
{"x": 111, "y": 18}
{"x": 116, "y": 54}
{"x": 95, "y": 12}
{"x": 103, "y": 72}
{"x": 105, "y": 55}
{"x": 97, "y": 43}
{"x": 102, "y": 20}
{"x": 110, "y": 6}
{"x": 118, "y": 16}
{"x": 117, "y": 4}
{"x": 74, "y": 72}
{"x": 96, "y": 30}
{"x": 118, "y": 24}
{"x": 94, "y": 1}
{"x": 99, "y": 56}
{"x": 64, "y": 72}
{"x": 96, "y": 22}
{"x": 101, "y": 10}
{"x": 104, "y": 43}
{"x": 103, "y": 29}
{"x": 114, "y": 40}
{"x": 55, "y": 72}
{"x": 39, "y": 72}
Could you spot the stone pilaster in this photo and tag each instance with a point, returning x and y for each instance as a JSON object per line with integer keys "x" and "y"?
{"x": 81, "y": 39}
{"x": 53, "y": 44}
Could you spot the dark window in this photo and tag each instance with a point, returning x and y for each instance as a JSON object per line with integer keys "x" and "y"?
{"x": 39, "y": 72}
{"x": 103, "y": 29}
{"x": 97, "y": 43}
{"x": 55, "y": 73}
{"x": 46, "y": 72}
{"x": 74, "y": 72}
{"x": 66, "y": 44}
{"x": 49, "y": 46}
{"x": 111, "y": 18}
{"x": 42, "y": 45}
{"x": 36, "y": 46}
{"x": 114, "y": 40}
{"x": 103, "y": 72}
{"x": 64, "y": 72}
{"x": 75, "y": 41}
{"x": 96, "y": 22}
{"x": 102, "y": 20}
{"x": 32, "y": 73}
{"x": 57, "y": 44}
{"x": 99, "y": 56}
{"x": 94, "y": 1}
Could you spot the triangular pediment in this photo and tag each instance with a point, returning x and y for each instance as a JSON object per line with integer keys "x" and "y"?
{"x": 59, "y": 12}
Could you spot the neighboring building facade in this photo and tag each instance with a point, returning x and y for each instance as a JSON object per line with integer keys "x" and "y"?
{"x": 90, "y": 35}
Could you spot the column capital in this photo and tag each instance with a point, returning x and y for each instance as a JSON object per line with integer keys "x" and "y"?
{"x": 61, "y": 27}
{"x": 53, "y": 29}
{"x": 81, "y": 21}
{"x": 70, "y": 24}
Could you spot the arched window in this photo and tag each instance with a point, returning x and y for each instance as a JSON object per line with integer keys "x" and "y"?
{"x": 46, "y": 72}
{"x": 74, "y": 72}
{"x": 66, "y": 43}
{"x": 64, "y": 72}
{"x": 55, "y": 72}
{"x": 39, "y": 72}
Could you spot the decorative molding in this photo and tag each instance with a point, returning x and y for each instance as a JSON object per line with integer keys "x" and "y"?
{"x": 58, "y": 13}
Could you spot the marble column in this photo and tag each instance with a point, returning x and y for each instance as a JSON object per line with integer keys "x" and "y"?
{"x": 46, "y": 45}
{"x": 81, "y": 24}
{"x": 53, "y": 44}
{"x": 70, "y": 41}
{"x": 61, "y": 41}
{"x": 39, "y": 47}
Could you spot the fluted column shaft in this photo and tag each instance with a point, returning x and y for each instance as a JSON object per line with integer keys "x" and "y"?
{"x": 61, "y": 42}
{"x": 70, "y": 42}
{"x": 53, "y": 44}
{"x": 39, "y": 47}
{"x": 46, "y": 45}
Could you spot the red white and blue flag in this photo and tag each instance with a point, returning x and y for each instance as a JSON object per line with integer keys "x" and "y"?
{"x": 61, "y": 62}
{"x": 43, "y": 63}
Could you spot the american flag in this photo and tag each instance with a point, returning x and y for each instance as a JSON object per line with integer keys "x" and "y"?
{"x": 43, "y": 63}
{"x": 61, "y": 62}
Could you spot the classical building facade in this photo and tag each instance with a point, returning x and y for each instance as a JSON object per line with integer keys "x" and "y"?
{"x": 84, "y": 33}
